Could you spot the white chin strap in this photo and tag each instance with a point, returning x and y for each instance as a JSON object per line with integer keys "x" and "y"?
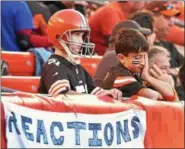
{"x": 69, "y": 53}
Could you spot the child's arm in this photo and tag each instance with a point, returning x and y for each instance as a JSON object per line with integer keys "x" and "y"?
{"x": 149, "y": 93}
{"x": 99, "y": 91}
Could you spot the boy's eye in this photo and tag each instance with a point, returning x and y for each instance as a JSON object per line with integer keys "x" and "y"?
{"x": 79, "y": 34}
{"x": 138, "y": 57}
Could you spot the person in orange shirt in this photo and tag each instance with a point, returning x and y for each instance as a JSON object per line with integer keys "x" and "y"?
{"x": 180, "y": 7}
{"x": 174, "y": 33}
{"x": 40, "y": 24}
{"x": 105, "y": 18}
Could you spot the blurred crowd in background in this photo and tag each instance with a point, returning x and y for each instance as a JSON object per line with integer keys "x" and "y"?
{"x": 32, "y": 20}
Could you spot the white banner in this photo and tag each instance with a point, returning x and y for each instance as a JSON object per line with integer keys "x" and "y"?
{"x": 29, "y": 128}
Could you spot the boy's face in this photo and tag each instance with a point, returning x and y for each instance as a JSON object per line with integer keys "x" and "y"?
{"x": 133, "y": 61}
{"x": 76, "y": 37}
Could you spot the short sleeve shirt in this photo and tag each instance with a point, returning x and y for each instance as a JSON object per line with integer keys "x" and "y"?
{"x": 57, "y": 68}
{"x": 102, "y": 23}
{"x": 15, "y": 16}
{"x": 122, "y": 79}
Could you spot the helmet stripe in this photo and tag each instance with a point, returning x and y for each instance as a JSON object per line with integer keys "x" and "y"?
{"x": 85, "y": 24}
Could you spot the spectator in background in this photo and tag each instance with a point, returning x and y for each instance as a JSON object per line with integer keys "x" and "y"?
{"x": 160, "y": 57}
{"x": 178, "y": 28}
{"x": 17, "y": 28}
{"x": 179, "y": 19}
{"x": 109, "y": 59}
{"x": 167, "y": 9}
{"x": 37, "y": 7}
{"x": 145, "y": 19}
{"x": 93, "y": 6}
{"x": 131, "y": 49}
{"x": 160, "y": 27}
{"x": 55, "y": 6}
{"x": 176, "y": 59}
{"x": 105, "y": 18}
{"x": 41, "y": 15}
{"x": 180, "y": 7}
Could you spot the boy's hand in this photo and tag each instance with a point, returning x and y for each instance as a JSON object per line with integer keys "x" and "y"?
{"x": 115, "y": 93}
{"x": 157, "y": 73}
{"x": 145, "y": 74}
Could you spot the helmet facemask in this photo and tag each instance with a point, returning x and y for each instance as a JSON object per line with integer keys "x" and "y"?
{"x": 87, "y": 48}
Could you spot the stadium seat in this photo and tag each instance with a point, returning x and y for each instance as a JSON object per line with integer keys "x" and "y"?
{"x": 19, "y": 63}
{"x": 23, "y": 63}
{"x": 89, "y": 63}
{"x": 26, "y": 84}
{"x": 31, "y": 83}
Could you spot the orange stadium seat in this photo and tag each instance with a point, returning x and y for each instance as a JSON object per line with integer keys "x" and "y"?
{"x": 20, "y": 63}
{"x": 23, "y": 63}
{"x": 26, "y": 84}
{"x": 31, "y": 83}
{"x": 90, "y": 63}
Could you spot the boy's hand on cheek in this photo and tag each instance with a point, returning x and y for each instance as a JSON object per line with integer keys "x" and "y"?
{"x": 157, "y": 73}
{"x": 145, "y": 74}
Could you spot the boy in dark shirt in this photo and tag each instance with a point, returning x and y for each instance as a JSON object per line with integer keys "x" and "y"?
{"x": 131, "y": 49}
{"x": 69, "y": 32}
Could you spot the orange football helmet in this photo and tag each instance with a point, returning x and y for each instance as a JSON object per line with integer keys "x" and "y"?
{"x": 62, "y": 24}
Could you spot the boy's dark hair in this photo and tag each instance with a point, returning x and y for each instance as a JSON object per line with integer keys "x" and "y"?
{"x": 130, "y": 40}
{"x": 126, "y": 24}
{"x": 144, "y": 19}
{"x": 181, "y": 75}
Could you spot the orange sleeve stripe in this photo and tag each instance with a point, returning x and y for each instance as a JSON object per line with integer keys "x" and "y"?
{"x": 122, "y": 81}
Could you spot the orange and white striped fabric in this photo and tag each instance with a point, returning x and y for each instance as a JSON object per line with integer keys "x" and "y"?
{"x": 124, "y": 80}
{"x": 59, "y": 86}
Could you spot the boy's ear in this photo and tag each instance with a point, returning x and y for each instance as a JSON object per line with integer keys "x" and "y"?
{"x": 121, "y": 58}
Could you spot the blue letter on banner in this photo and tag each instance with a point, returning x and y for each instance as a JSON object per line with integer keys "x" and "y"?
{"x": 109, "y": 139}
{"x": 41, "y": 131}
{"x": 125, "y": 133}
{"x": 13, "y": 120}
{"x": 95, "y": 141}
{"x": 134, "y": 122}
{"x": 60, "y": 140}
{"x": 77, "y": 126}
{"x": 25, "y": 127}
